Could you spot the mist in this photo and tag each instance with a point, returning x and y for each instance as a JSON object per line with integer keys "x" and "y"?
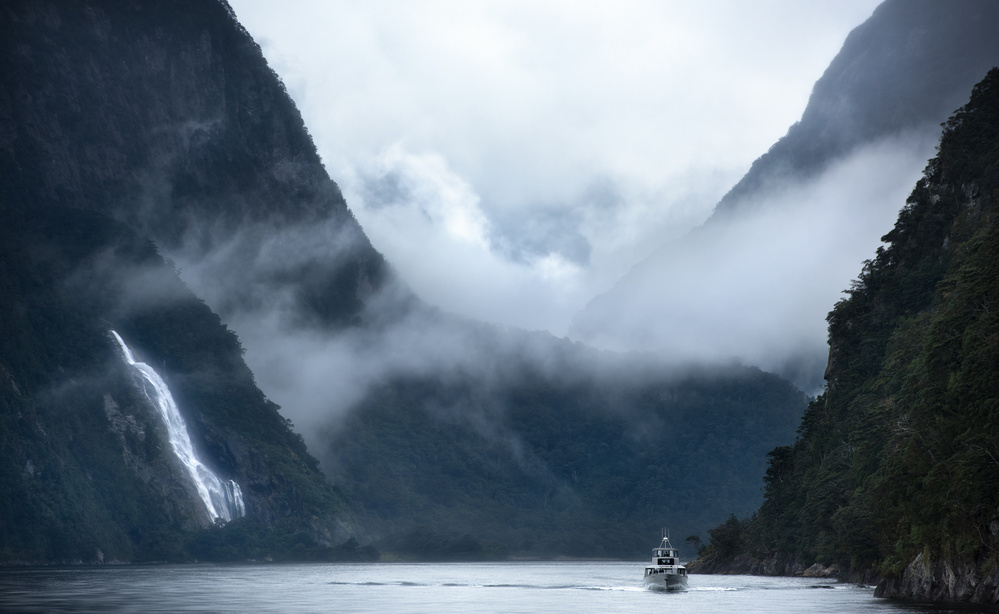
{"x": 512, "y": 161}
{"x": 755, "y": 285}
{"x": 514, "y": 164}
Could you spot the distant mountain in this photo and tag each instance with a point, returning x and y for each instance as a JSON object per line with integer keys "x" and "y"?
{"x": 755, "y": 281}
{"x": 909, "y": 65}
{"x": 166, "y": 117}
{"x": 895, "y": 468}
{"x": 149, "y": 161}
{"x": 570, "y": 452}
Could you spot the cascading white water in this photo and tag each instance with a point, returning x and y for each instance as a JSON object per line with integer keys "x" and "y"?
{"x": 222, "y": 498}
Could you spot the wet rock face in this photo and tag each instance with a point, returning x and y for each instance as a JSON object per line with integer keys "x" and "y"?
{"x": 943, "y": 580}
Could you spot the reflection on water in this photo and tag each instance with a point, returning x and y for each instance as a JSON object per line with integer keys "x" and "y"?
{"x": 605, "y": 587}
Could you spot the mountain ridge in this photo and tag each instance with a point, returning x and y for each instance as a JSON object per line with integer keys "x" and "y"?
{"x": 894, "y": 467}
{"x": 878, "y": 104}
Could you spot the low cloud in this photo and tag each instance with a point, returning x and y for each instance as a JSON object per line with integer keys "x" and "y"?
{"x": 756, "y": 285}
{"x": 513, "y": 161}
{"x": 259, "y": 268}
{"x": 531, "y": 266}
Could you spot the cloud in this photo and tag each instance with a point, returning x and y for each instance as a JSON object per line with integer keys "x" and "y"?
{"x": 512, "y": 160}
{"x": 757, "y": 286}
{"x": 261, "y": 268}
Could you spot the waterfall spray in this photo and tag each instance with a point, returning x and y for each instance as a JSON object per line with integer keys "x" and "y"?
{"x": 222, "y": 498}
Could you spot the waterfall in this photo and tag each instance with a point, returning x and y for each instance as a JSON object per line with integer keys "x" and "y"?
{"x": 222, "y": 498}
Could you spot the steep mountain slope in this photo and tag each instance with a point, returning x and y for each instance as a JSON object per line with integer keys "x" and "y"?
{"x": 910, "y": 64}
{"x": 160, "y": 125}
{"x": 895, "y": 467}
{"x": 165, "y": 116}
{"x": 780, "y": 245}
{"x": 88, "y": 473}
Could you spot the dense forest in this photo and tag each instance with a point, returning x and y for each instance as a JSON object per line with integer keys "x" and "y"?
{"x": 895, "y": 466}
{"x": 581, "y": 460}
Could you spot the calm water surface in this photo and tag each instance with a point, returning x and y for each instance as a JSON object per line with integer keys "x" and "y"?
{"x": 605, "y": 587}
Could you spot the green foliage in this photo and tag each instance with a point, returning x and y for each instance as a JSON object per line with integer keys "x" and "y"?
{"x": 428, "y": 544}
{"x": 696, "y": 543}
{"x": 727, "y": 539}
{"x": 899, "y": 455}
{"x": 166, "y": 117}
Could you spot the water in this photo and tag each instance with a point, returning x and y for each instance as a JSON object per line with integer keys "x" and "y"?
{"x": 483, "y": 588}
{"x": 223, "y": 499}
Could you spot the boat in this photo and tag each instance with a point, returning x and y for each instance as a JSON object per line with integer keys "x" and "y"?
{"x": 666, "y": 572}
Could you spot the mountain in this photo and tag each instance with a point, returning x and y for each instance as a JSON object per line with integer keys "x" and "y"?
{"x": 755, "y": 281}
{"x": 89, "y": 472}
{"x": 894, "y": 471}
{"x": 586, "y": 454}
{"x": 130, "y": 130}
{"x": 156, "y": 180}
{"x": 167, "y": 118}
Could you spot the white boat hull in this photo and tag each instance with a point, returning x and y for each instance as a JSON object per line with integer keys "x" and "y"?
{"x": 666, "y": 582}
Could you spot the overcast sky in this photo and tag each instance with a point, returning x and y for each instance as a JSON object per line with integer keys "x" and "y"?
{"x": 514, "y": 159}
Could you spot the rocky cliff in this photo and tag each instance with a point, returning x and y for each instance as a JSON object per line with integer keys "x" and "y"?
{"x": 961, "y": 580}
{"x": 165, "y": 116}
{"x": 128, "y": 131}
{"x": 910, "y": 64}
{"x": 894, "y": 469}
{"x": 89, "y": 473}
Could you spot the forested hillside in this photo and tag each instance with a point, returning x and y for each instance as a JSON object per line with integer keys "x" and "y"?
{"x": 88, "y": 474}
{"x": 896, "y": 465}
{"x": 587, "y": 457}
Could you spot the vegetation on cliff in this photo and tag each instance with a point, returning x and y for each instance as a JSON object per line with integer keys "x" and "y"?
{"x": 899, "y": 458}
{"x": 88, "y": 473}
{"x": 130, "y": 130}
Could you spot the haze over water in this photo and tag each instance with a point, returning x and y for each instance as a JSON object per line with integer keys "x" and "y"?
{"x": 605, "y": 587}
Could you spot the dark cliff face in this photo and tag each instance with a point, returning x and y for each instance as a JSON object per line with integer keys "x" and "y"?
{"x": 909, "y": 65}
{"x": 128, "y": 130}
{"x": 89, "y": 474}
{"x": 895, "y": 465}
{"x": 165, "y": 116}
